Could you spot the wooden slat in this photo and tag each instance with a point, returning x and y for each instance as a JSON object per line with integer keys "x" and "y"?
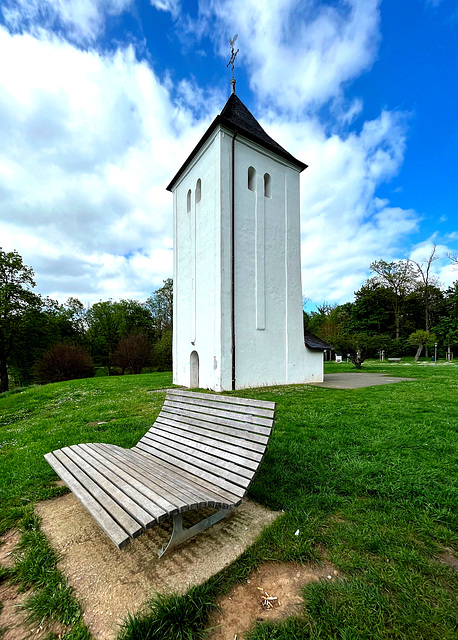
{"x": 207, "y": 437}
{"x": 196, "y": 494}
{"x": 218, "y": 480}
{"x": 207, "y": 402}
{"x": 151, "y": 467}
{"x": 249, "y": 423}
{"x": 113, "y": 530}
{"x": 264, "y": 404}
{"x": 104, "y": 498}
{"x": 213, "y": 413}
{"x": 171, "y": 501}
{"x": 157, "y": 505}
{"x": 116, "y": 489}
{"x": 200, "y": 459}
{"x": 223, "y": 496}
{"x": 248, "y": 439}
{"x": 179, "y": 439}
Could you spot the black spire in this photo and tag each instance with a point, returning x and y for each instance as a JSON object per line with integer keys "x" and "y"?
{"x": 238, "y": 119}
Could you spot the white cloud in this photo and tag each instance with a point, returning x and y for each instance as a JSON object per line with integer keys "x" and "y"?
{"x": 172, "y": 6}
{"x": 298, "y": 54}
{"x": 441, "y": 268}
{"x": 83, "y": 20}
{"x": 344, "y": 225}
{"x": 89, "y": 143}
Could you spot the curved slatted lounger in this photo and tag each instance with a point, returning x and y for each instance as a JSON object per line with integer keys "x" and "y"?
{"x": 203, "y": 450}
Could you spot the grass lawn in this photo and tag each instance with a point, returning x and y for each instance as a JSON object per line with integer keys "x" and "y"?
{"x": 368, "y": 476}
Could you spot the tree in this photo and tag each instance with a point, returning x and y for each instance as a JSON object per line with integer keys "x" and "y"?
{"x": 421, "y": 339}
{"x": 447, "y": 327}
{"x": 39, "y": 327}
{"x": 453, "y": 257}
{"x": 161, "y": 306}
{"x": 373, "y": 310}
{"x": 325, "y": 322}
{"x": 104, "y": 319}
{"x": 135, "y": 318}
{"x": 427, "y": 282}
{"x": 133, "y": 353}
{"x": 399, "y": 278}
{"x": 162, "y": 352}
{"x": 16, "y": 282}
{"x": 358, "y": 346}
{"x": 76, "y": 314}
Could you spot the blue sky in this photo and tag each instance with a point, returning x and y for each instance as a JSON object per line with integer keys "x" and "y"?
{"x": 102, "y": 100}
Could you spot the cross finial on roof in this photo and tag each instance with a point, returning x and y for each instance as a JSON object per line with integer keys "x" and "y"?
{"x": 232, "y": 60}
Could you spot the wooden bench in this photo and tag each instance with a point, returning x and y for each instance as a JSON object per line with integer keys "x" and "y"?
{"x": 202, "y": 451}
{"x": 394, "y": 359}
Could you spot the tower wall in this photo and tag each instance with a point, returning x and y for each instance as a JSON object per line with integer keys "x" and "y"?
{"x": 197, "y": 272}
{"x": 268, "y": 294}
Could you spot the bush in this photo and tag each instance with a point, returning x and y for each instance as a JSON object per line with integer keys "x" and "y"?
{"x": 64, "y": 362}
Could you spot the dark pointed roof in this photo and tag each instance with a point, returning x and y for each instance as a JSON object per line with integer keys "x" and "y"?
{"x": 237, "y": 118}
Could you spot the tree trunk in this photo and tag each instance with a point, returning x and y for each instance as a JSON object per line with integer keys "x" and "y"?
{"x": 419, "y": 350}
{"x": 397, "y": 322}
{"x": 4, "y": 382}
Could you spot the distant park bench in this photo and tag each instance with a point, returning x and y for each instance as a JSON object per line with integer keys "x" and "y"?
{"x": 394, "y": 359}
{"x": 202, "y": 451}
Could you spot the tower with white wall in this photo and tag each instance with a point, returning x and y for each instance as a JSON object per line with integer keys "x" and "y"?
{"x": 237, "y": 301}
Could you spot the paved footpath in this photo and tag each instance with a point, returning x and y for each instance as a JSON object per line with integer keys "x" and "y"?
{"x": 356, "y": 380}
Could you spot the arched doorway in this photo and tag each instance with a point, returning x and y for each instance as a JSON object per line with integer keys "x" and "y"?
{"x": 194, "y": 382}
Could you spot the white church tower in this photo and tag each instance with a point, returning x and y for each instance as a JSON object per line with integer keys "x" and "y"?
{"x": 237, "y": 298}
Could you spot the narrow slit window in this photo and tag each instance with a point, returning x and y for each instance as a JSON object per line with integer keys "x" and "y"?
{"x": 267, "y": 186}
{"x": 188, "y": 201}
{"x": 198, "y": 190}
{"x": 251, "y": 178}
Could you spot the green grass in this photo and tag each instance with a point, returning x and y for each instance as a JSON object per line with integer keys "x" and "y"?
{"x": 35, "y": 568}
{"x": 43, "y": 418}
{"x": 172, "y": 617}
{"x": 368, "y": 476}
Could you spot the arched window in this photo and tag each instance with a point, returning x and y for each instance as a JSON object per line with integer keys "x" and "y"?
{"x": 267, "y": 186}
{"x": 198, "y": 190}
{"x": 188, "y": 201}
{"x": 251, "y": 178}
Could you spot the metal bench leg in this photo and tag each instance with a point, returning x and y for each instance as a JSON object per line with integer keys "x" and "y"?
{"x": 179, "y": 534}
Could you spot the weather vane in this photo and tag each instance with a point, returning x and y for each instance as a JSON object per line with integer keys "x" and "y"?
{"x": 233, "y": 53}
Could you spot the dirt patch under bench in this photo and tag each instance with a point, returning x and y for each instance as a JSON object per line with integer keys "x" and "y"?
{"x": 110, "y": 583}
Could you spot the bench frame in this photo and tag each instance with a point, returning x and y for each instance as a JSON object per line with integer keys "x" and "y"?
{"x": 202, "y": 451}
{"x": 180, "y": 535}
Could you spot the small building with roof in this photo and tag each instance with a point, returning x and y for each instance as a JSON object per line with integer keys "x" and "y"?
{"x": 238, "y": 319}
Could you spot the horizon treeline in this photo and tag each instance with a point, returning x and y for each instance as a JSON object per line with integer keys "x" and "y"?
{"x": 401, "y": 310}
{"x": 42, "y": 340}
